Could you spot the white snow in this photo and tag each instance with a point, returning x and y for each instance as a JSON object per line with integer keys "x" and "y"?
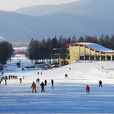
{"x": 68, "y": 95}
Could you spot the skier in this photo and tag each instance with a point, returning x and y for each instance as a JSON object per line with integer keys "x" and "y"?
{"x": 45, "y": 82}
{"x": 69, "y": 68}
{"x": 52, "y": 83}
{"x": 0, "y": 81}
{"x": 100, "y": 83}
{"x": 38, "y": 73}
{"x": 87, "y": 89}
{"x": 66, "y": 75}
{"x": 42, "y": 87}
{"x": 5, "y": 81}
{"x": 41, "y": 73}
{"x": 37, "y": 80}
{"x": 20, "y": 80}
{"x": 33, "y": 87}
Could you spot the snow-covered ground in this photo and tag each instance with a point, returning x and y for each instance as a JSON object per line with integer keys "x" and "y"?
{"x": 68, "y": 94}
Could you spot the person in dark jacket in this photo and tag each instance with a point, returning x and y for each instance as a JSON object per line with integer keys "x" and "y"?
{"x": 45, "y": 82}
{"x": 52, "y": 83}
{"x": 20, "y": 80}
{"x": 5, "y": 81}
{"x": 87, "y": 89}
{"x": 42, "y": 86}
{"x": 37, "y": 80}
{"x": 100, "y": 83}
{"x": 0, "y": 81}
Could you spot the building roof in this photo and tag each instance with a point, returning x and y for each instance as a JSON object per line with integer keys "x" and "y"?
{"x": 96, "y": 46}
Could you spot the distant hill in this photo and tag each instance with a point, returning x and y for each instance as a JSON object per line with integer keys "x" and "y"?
{"x": 81, "y": 7}
{"x": 85, "y": 17}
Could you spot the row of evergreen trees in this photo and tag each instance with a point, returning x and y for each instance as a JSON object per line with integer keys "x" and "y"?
{"x": 6, "y": 50}
{"x": 53, "y": 47}
{"x": 48, "y": 49}
{"x": 57, "y": 47}
{"x": 104, "y": 40}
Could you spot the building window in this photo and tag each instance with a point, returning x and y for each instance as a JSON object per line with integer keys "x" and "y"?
{"x": 91, "y": 57}
{"x": 68, "y": 57}
{"x": 113, "y": 57}
{"x": 97, "y": 58}
{"x": 81, "y": 57}
{"x": 108, "y": 57}
{"x": 102, "y": 58}
{"x": 86, "y": 57}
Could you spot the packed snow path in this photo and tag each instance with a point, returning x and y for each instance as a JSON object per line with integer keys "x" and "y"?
{"x": 64, "y": 98}
{"x": 68, "y": 94}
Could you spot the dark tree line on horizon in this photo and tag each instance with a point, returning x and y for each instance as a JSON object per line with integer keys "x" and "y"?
{"x": 55, "y": 47}
{"x": 48, "y": 49}
{"x": 6, "y": 50}
{"x": 104, "y": 40}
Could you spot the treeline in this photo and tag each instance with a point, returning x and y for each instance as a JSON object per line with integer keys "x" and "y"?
{"x": 53, "y": 47}
{"x": 6, "y": 50}
{"x": 48, "y": 49}
{"x": 104, "y": 40}
{"x": 57, "y": 47}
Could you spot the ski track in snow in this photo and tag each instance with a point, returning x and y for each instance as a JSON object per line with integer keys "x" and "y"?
{"x": 68, "y": 95}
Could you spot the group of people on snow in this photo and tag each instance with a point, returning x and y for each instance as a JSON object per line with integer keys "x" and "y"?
{"x": 88, "y": 87}
{"x": 42, "y": 85}
{"x": 4, "y": 79}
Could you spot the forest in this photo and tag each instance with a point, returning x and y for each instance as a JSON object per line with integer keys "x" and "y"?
{"x": 54, "y": 47}
{"x": 57, "y": 46}
{"x": 6, "y": 51}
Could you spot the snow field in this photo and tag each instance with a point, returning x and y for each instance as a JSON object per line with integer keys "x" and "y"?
{"x": 68, "y": 95}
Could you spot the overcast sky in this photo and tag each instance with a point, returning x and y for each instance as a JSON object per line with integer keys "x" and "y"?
{"x": 11, "y": 5}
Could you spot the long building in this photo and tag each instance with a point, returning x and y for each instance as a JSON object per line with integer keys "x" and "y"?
{"x": 89, "y": 51}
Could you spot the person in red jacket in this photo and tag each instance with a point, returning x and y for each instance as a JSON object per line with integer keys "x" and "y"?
{"x": 87, "y": 89}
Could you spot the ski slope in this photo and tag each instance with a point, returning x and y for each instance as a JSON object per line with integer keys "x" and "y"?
{"x": 68, "y": 95}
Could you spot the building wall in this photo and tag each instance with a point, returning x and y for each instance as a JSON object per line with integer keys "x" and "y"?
{"x": 74, "y": 52}
{"x": 77, "y": 51}
{"x": 82, "y": 50}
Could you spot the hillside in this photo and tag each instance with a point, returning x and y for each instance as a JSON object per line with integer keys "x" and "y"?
{"x": 85, "y": 17}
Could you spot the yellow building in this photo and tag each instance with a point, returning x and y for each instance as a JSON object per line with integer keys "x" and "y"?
{"x": 89, "y": 51}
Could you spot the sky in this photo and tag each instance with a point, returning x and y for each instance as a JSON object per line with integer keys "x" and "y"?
{"x": 11, "y": 5}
